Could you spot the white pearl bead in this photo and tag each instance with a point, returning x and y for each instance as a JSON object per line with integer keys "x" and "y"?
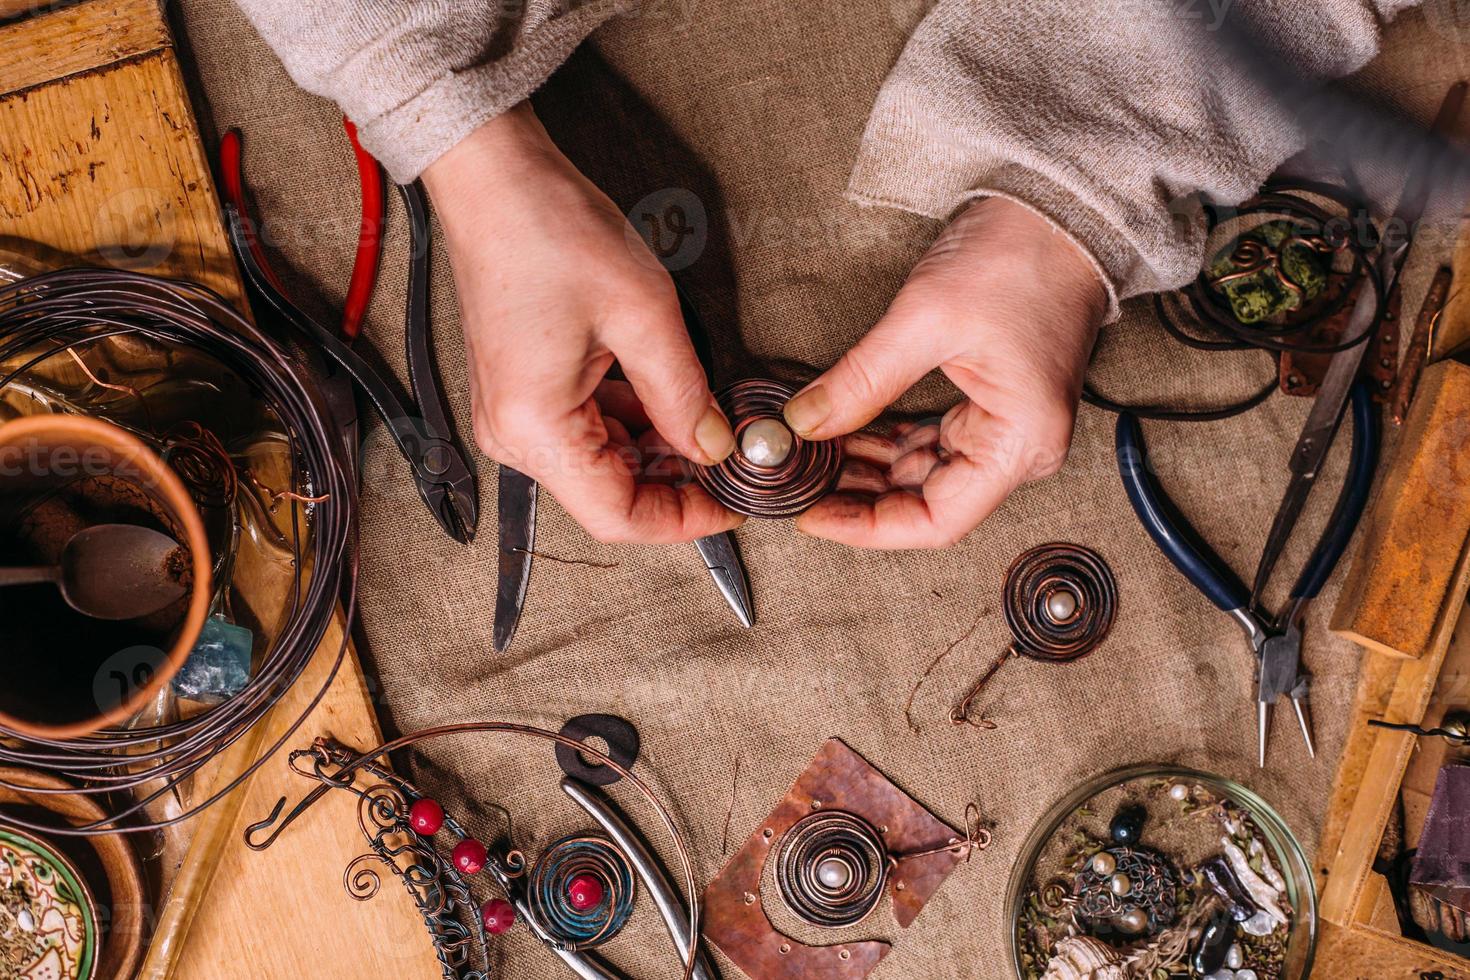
{"x": 1234, "y": 958}
{"x": 1061, "y": 604}
{"x": 834, "y": 874}
{"x": 1133, "y": 921}
{"x": 1179, "y": 792}
{"x": 766, "y": 443}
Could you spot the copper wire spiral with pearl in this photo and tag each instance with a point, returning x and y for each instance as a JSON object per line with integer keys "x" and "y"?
{"x": 831, "y": 869}
{"x": 781, "y": 487}
{"x": 1060, "y": 600}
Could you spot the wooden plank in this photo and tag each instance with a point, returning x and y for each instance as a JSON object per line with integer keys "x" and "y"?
{"x": 106, "y": 164}
{"x": 1454, "y": 326}
{"x": 76, "y": 39}
{"x": 1347, "y": 890}
{"x": 1411, "y": 574}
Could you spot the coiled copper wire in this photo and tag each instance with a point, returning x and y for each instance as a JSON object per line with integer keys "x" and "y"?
{"x": 1034, "y": 579}
{"x": 48, "y": 315}
{"x": 831, "y": 836}
{"x": 567, "y": 859}
{"x": 769, "y": 491}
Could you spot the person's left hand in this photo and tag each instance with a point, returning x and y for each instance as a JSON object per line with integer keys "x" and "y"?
{"x": 1008, "y": 308}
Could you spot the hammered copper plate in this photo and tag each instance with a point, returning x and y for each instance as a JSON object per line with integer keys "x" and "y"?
{"x": 111, "y": 859}
{"x": 837, "y": 779}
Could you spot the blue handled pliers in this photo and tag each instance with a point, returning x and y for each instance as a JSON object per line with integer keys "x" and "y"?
{"x": 1276, "y": 642}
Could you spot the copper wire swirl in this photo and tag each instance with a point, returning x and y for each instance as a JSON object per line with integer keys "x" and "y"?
{"x": 1043, "y": 572}
{"x": 1033, "y": 580}
{"x": 786, "y": 490}
{"x": 820, "y": 839}
{"x": 547, "y": 892}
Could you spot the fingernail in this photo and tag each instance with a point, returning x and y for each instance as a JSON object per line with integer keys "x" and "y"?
{"x": 808, "y": 410}
{"x": 714, "y": 436}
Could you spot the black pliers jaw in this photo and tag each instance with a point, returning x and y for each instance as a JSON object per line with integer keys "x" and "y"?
{"x": 444, "y": 479}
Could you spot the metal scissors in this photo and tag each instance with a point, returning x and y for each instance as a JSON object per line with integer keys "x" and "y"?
{"x": 517, "y": 506}
{"x": 1276, "y": 641}
{"x": 422, "y": 432}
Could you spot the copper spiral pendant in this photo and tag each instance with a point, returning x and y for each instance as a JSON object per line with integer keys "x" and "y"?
{"x": 1060, "y": 600}
{"x": 831, "y": 869}
{"x": 782, "y": 487}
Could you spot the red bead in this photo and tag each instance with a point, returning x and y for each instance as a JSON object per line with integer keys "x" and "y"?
{"x": 469, "y": 856}
{"x": 426, "y": 816}
{"x": 584, "y": 892}
{"x": 498, "y": 916}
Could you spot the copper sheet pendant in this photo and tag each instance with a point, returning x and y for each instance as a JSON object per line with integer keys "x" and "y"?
{"x": 768, "y": 475}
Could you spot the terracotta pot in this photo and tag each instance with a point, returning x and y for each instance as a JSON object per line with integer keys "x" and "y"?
{"x": 41, "y": 455}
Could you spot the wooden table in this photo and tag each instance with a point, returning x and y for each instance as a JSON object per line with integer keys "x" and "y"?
{"x": 100, "y": 157}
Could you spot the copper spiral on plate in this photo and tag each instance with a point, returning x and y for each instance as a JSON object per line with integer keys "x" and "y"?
{"x": 769, "y": 491}
{"x": 831, "y": 838}
{"x": 1039, "y": 575}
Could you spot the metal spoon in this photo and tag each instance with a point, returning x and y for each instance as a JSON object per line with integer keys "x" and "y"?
{"x": 110, "y": 571}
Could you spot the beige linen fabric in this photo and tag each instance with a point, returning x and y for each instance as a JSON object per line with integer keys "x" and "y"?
{"x": 751, "y": 114}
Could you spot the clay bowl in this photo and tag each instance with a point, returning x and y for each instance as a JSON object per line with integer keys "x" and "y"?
{"x": 60, "y": 903}
{"x": 108, "y": 865}
{"x": 67, "y": 676}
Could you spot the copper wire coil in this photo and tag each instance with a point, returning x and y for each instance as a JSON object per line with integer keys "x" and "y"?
{"x": 1039, "y": 575}
{"x": 786, "y": 490}
{"x": 838, "y": 838}
{"x": 1154, "y": 891}
{"x": 566, "y": 860}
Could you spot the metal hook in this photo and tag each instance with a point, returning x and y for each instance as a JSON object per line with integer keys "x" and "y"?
{"x": 306, "y": 803}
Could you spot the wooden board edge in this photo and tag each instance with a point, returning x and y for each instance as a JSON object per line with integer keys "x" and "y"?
{"x": 76, "y": 39}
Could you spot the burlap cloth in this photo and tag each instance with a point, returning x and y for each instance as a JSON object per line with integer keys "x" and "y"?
{"x": 754, "y": 110}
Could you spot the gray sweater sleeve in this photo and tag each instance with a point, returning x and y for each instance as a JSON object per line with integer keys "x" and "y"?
{"x": 417, "y": 76}
{"x": 1110, "y": 119}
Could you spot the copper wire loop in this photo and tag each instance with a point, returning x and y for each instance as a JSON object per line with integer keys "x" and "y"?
{"x": 1033, "y": 579}
{"x": 56, "y": 313}
{"x": 820, "y": 839}
{"x": 769, "y": 491}
{"x": 1043, "y": 572}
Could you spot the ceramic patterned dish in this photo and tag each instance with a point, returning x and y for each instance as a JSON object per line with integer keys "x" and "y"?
{"x": 1161, "y": 873}
{"x": 48, "y": 919}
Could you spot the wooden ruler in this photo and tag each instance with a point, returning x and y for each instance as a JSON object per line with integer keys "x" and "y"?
{"x": 100, "y": 156}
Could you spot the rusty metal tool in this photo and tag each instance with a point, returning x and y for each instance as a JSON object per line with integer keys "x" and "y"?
{"x": 1421, "y": 343}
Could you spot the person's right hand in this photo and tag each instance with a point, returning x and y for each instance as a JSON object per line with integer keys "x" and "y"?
{"x": 553, "y": 287}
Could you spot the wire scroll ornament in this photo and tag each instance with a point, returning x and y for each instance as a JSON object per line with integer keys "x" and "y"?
{"x": 578, "y": 895}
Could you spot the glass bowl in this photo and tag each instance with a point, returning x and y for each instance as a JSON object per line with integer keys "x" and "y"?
{"x": 1151, "y": 782}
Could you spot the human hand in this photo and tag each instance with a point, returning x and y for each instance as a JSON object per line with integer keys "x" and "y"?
{"x": 1008, "y": 308}
{"x": 553, "y": 287}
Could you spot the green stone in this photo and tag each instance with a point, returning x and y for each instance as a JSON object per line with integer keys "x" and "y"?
{"x": 1263, "y": 295}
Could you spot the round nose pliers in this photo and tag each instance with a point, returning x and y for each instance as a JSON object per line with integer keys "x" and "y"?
{"x": 1276, "y": 641}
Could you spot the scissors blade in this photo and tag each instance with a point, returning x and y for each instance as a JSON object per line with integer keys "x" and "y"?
{"x": 517, "y": 508}
{"x": 724, "y": 565}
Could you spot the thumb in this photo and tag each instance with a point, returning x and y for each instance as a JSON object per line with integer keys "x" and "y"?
{"x": 658, "y": 358}
{"x": 895, "y": 354}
